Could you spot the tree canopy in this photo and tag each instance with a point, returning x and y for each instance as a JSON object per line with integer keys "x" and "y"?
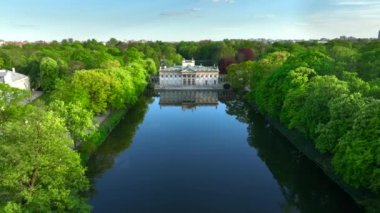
{"x": 39, "y": 169}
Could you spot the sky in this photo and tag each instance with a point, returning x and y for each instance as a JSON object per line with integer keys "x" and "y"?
{"x": 178, "y": 20}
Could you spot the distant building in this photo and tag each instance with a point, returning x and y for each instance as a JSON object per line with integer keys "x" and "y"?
{"x": 189, "y": 74}
{"x": 14, "y": 79}
{"x": 323, "y": 41}
{"x": 15, "y": 43}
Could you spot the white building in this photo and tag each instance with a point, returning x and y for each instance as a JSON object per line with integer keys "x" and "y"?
{"x": 14, "y": 79}
{"x": 188, "y": 74}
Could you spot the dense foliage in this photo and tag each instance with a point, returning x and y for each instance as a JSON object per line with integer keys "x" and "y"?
{"x": 330, "y": 93}
{"x": 39, "y": 170}
{"x": 41, "y": 143}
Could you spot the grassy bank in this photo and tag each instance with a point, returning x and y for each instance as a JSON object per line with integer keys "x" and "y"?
{"x": 101, "y": 134}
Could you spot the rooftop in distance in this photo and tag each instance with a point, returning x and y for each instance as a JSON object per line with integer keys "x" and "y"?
{"x": 189, "y": 65}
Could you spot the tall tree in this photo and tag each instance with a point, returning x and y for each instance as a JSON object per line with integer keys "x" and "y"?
{"x": 357, "y": 156}
{"x": 238, "y": 75}
{"x": 315, "y": 97}
{"x": 39, "y": 171}
{"x": 49, "y": 73}
{"x": 342, "y": 115}
{"x": 78, "y": 120}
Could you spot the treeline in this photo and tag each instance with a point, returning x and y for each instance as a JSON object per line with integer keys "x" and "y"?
{"x": 328, "y": 92}
{"x": 204, "y": 52}
{"x": 40, "y": 145}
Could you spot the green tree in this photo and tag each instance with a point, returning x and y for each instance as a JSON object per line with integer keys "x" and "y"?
{"x": 39, "y": 170}
{"x": 110, "y": 64}
{"x": 355, "y": 83}
{"x": 315, "y": 97}
{"x": 357, "y": 153}
{"x": 345, "y": 58}
{"x": 295, "y": 84}
{"x": 150, "y": 66}
{"x": 78, "y": 120}
{"x": 375, "y": 88}
{"x": 368, "y": 65}
{"x": 49, "y": 73}
{"x": 97, "y": 86}
{"x": 133, "y": 55}
{"x": 317, "y": 60}
{"x": 112, "y": 42}
{"x": 187, "y": 49}
{"x": 271, "y": 91}
{"x": 266, "y": 65}
{"x": 123, "y": 91}
{"x": 262, "y": 70}
{"x": 32, "y": 69}
{"x": 140, "y": 76}
{"x": 2, "y": 63}
{"x": 238, "y": 75}
{"x": 70, "y": 92}
{"x": 342, "y": 115}
{"x": 10, "y": 100}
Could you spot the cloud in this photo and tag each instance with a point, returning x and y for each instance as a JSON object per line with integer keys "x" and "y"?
{"x": 356, "y": 18}
{"x": 185, "y": 12}
{"x": 357, "y": 3}
{"x": 349, "y": 11}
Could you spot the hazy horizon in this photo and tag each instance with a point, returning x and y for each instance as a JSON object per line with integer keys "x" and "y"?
{"x": 187, "y": 20}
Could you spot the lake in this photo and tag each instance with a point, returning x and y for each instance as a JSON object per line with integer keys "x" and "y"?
{"x": 204, "y": 151}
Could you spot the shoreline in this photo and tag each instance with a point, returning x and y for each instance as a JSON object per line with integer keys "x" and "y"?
{"x": 101, "y": 134}
{"x": 368, "y": 200}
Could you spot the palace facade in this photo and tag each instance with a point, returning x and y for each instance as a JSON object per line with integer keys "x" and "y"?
{"x": 189, "y": 74}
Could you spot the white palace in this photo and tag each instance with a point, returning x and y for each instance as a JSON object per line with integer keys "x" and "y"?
{"x": 189, "y": 75}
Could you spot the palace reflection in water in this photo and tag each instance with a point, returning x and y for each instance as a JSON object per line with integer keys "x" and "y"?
{"x": 192, "y": 98}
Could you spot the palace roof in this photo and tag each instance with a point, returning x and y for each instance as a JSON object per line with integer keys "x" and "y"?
{"x": 198, "y": 68}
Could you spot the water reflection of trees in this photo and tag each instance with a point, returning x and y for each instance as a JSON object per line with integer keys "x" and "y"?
{"x": 119, "y": 140}
{"x": 303, "y": 185}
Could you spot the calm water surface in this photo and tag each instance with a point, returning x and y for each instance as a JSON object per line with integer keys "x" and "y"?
{"x": 170, "y": 155}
